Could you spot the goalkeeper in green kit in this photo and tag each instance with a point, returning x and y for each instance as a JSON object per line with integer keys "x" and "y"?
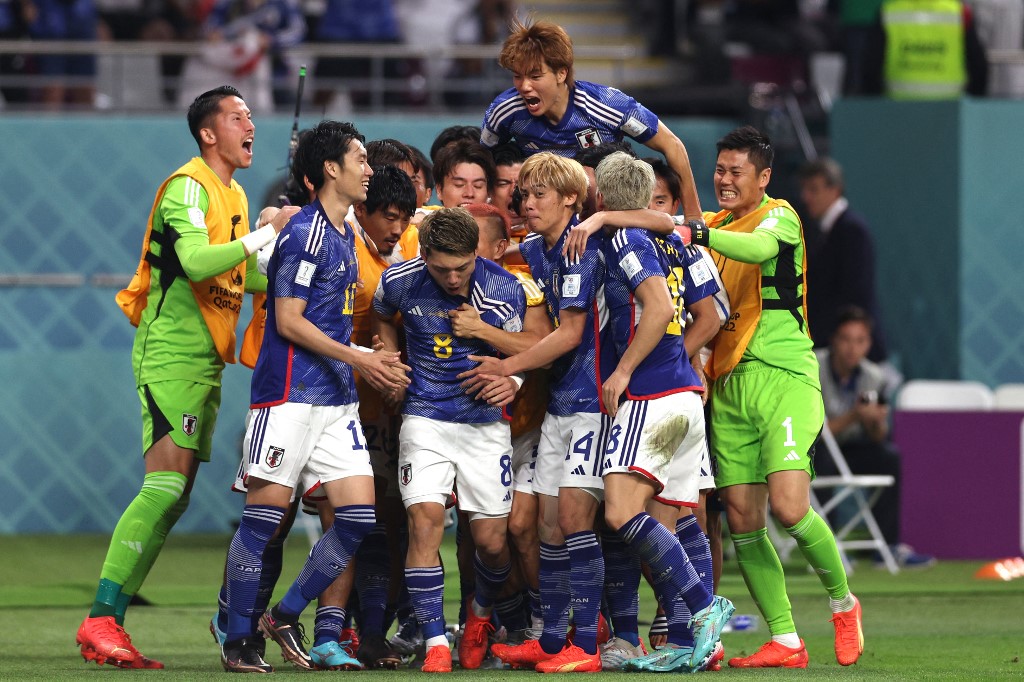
{"x": 198, "y": 259}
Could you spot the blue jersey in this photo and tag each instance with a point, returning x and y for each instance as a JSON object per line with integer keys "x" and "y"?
{"x": 436, "y": 355}
{"x": 634, "y": 255}
{"x": 575, "y": 379}
{"x": 314, "y": 262}
{"x": 596, "y": 114}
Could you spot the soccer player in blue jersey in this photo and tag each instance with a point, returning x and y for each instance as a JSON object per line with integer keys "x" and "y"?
{"x": 549, "y": 110}
{"x": 656, "y": 443}
{"x": 567, "y": 477}
{"x": 448, "y": 436}
{"x": 304, "y": 413}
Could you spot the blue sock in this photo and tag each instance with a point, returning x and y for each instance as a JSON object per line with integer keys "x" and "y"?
{"x": 489, "y": 581}
{"x": 511, "y": 611}
{"x": 273, "y": 562}
{"x": 372, "y": 566}
{"x": 329, "y": 557}
{"x": 426, "y": 592}
{"x": 587, "y": 566}
{"x": 621, "y": 586}
{"x": 222, "y": 607}
{"x": 245, "y": 557}
{"x": 330, "y": 621}
{"x": 534, "y": 598}
{"x": 554, "y": 596}
{"x": 672, "y": 574}
{"x": 697, "y": 549}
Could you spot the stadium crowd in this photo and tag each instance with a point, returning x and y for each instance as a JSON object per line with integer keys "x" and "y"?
{"x": 537, "y": 353}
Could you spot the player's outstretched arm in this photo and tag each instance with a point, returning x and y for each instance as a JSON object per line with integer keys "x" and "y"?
{"x": 567, "y": 336}
{"x": 655, "y": 221}
{"x": 669, "y": 144}
{"x": 746, "y": 247}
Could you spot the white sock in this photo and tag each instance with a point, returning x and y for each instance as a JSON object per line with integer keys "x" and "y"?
{"x": 790, "y": 640}
{"x": 844, "y": 604}
{"x": 436, "y": 641}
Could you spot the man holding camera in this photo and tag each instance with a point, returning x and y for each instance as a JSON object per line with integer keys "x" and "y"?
{"x": 853, "y": 389}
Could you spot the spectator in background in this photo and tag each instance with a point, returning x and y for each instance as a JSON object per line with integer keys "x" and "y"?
{"x": 841, "y": 255}
{"x": 856, "y": 18}
{"x": 925, "y": 49}
{"x": 73, "y": 20}
{"x": 242, "y": 37}
{"x": 855, "y": 395}
{"x": 351, "y": 21}
{"x": 14, "y": 18}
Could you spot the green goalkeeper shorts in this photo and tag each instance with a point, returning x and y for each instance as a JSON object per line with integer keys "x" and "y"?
{"x": 185, "y": 410}
{"x": 763, "y": 419}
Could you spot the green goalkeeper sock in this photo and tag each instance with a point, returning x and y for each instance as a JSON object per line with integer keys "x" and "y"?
{"x": 818, "y": 545}
{"x": 133, "y": 534}
{"x": 765, "y": 579}
{"x": 149, "y": 555}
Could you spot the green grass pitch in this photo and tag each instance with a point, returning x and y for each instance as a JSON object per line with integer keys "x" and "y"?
{"x": 937, "y": 624}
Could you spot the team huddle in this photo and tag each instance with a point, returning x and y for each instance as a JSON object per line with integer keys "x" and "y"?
{"x": 535, "y": 353}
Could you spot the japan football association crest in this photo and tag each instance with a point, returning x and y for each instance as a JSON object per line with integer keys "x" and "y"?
{"x": 406, "y": 474}
{"x": 588, "y": 137}
{"x": 274, "y": 457}
{"x": 189, "y": 423}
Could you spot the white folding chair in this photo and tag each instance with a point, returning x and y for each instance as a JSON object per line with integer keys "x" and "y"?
{"x": 927, "y": 394}
{"x": 1009, "y": 397}
{"x": 863, "y": 490}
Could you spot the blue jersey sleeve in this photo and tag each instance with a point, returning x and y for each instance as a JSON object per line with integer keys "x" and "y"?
{"x": 298, "y": 257}
{"x": 635, "y": 257}
{"x": 634, "y": 119}
{"x": 384, "y": 300}
{"x": 495, "y": 129}
{"x": 581, "y": 279}
{"x": 700, "y": 281}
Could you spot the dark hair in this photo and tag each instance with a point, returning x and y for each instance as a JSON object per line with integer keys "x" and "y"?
{"x": 853, "y": 313}
{"x": 453, "y": 134}
{"x": 823, "y": 167}
{"x": 388, "y": 152}
{"x": 752, "y": 141}
{"x": 668, "y": 174}
{"x": 464, "y": 151}
{"x": 507, "y": 154}
{"x": 326, "y": 141}
{"x": 421, "y": 163}
{"x": 206, "y": 105}
{"x": 591, "y": 156}
{"x": 449, "y": 230}
{"x": 390, "y": 186}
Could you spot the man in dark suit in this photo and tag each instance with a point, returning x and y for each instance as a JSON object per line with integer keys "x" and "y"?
{"x": 840, "y": 256}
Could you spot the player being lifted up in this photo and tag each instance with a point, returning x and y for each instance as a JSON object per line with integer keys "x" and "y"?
{"x": 304, "y": 404}
{"x": 547, "y": 109}
{"x": 447, "y": 436}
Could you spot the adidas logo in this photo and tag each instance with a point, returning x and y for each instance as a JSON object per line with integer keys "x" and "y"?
{"x": 133, "y": 545}
{"x": 792, "y": 457}
{"x": 508, "y": 496}
{"x": 578, "y": 471}
{"x": 416, "y": 311}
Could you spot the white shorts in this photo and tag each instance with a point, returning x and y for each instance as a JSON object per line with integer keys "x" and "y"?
{"x": 382, "y": 440}
{"x": 663, "y": 440}
{"x": 309, "y": 484}
{"x": 433, "y": 455}
{"x": 285, "y": 441}
{"x": 706, "y": 482}
{"x": 570, "y": 452}
{"x": 524, "y": 460}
